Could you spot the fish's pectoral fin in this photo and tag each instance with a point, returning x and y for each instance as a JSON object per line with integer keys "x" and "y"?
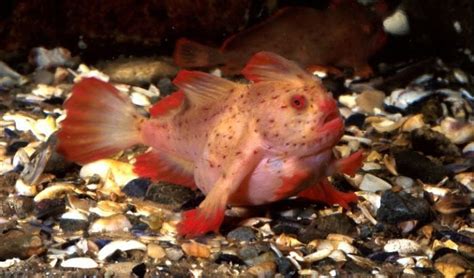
{"x": 325, "y": 192}
{"x": 208, "y": 217}
{"x": 210, "y": 213}
{"x": 267, "y": 66}
{"x": 349, "y": 165}
{"x": 203, "y": 88}
{"x": 165, "y": 167}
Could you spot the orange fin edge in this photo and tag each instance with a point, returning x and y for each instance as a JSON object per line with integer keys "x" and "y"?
{"x": 152, "y": 165}
{"x": 325, "y": 192}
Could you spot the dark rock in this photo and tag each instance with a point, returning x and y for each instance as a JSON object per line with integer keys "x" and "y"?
{"x": 19, "y": 244}
{"x": 10, "y": 134}
{"x": 54, "y": 101}
{"x": 15, "y": 146}
{"x": 414, "y": 165}
{"x": 287, "y": 227}
{"x": 43, "y": 77}
{"x": 382, "y": 256}
{"x": 397, "y": 207}
{"x": 248, "y": 252}
{"x": 430, "y": 107}
{"x": 166, "y": 86}
{"x": 169, "y": 194}
{"x": 455, "y": 236}
{"x": 22, "y": 205}
{"x": 7, "y": 182}
{"x": 433, "y": 143}
{"x": 242, "y": 234}
{"x": 321, "y": 227}
{"x": 73, "y": 225}
{"x": 229, "y": 258}
{"x": 137, "y": 187}
{"x": 50, "y": 208}
{"x": 356, "y": 119}
{"x": 351, "y": 267}
{"x": 139, "y": 270}
{"x": 286, "y": 268}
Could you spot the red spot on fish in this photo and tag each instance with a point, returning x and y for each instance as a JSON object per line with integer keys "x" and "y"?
{"x": 167, "y": 104}
{"x": 325, "y": 192}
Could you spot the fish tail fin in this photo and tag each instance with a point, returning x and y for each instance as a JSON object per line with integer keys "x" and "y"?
{"x": 100, "y": 122}
{"x": 190, "y": 54}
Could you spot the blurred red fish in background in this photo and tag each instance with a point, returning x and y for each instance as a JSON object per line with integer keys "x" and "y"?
{"x": 344, "y": 35}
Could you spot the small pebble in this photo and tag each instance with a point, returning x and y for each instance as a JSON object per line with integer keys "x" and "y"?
{"x": 414, "y": 165}
{"x": 137, "y": 187}
{"x": 174, "y": 253}
{"x": 373, "y": 184}
{"x": 112, "y": 224}
{"x": 397, "y": 207}
{"x": 155, "y": 251}
{"x": 242, "y": 234}
{"x": 402, "y": 246}
{"x": 169, "y": 194}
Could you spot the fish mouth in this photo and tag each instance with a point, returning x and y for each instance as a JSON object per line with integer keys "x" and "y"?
{"x": 332, "y": 124}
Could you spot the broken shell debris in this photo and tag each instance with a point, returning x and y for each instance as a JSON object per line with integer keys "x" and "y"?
{"x": 415, "y": 187}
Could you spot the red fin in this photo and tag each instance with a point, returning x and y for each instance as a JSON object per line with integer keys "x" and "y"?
{"x": 325, "y": 192}
{"x": 160, "y": 167}
{"x": 198, "y": 222}
{"x": 290, "y": 185}
{"x": 350, "y": 164}
{"x": 189, "y": 54}
{"x": 268, "y": 66}
{"x": 167, "y": 104}
{"x": 203, "y": 88}
{"x": 100, "y": 122}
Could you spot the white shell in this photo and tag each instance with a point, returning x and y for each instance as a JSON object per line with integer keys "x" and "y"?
{"x": 402, "y": 246}
{"x": 8, "y": 263}
{"x": 318, "y": 255}
{"x": 466, "y": 179}
{"x": 373, "y": 184}
{"x": 24, "y": 189}
{"x": 81, "y": 262}
{"x": 112, "y": 224}
{"x": 46, "y": 91}
{"x": 122, "y": 245}
{"x": 54, "y": 191}
{"x": 139, "y": 99}
{"x": 75, "y": 215}
{"x": 122, "y": 172}
{"x": 397, "y": 23}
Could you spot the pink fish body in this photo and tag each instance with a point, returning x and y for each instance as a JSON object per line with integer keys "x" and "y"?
{"x": 240, "y": 144}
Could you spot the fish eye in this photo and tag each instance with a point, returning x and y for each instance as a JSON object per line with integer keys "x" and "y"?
{"x": 298, "y": 102}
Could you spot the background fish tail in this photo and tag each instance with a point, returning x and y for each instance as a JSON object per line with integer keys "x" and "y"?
{"x": 190, "y": 54}
{"x": 100, "y": 122}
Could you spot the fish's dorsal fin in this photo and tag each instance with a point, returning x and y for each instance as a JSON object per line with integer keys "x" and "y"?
{"x": 267, "y": 66}
{"x": 203, "y": 88}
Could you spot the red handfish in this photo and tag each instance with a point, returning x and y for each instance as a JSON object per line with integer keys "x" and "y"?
{"x": 240, "y": 144}
{"x": 344, "y": 35}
